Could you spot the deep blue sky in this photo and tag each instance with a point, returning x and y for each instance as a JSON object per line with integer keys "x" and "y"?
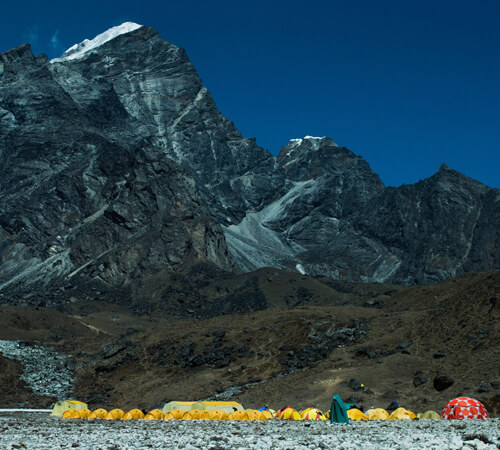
{"x": 406, "y": 84}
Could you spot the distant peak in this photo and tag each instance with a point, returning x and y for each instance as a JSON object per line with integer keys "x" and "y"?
{"x": 79, "y": 50}
{"x": 444, "y": 167}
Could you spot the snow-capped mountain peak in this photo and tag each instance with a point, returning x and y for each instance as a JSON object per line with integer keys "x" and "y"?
{"x": 79, "y": 50}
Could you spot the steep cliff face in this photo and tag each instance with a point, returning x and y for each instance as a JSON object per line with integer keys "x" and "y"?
{"x": 154, "y": 88}
{"x": 116, "y": 165}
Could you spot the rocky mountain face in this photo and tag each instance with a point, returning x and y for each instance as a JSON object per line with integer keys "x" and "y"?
{"x": 80, "y": 201}
{"x": 116, "y": 166}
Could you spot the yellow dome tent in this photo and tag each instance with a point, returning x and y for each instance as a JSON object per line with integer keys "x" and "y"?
{"x": 99, "y": 413}
{"x": 254, "y": 414}
{"x": 238, "y": 415}
{"x": 133, "y": 414}
{"x": 269, "y": 413}
{"x": 154, "y": 414}
{"x": 194, "y": 414}
{"x": 433, "y": 415}
{"x": 356, "y": 414}
{"x": 312, "y": 414}
{"x": 175, "y": 414}
{"x": 402, "y": 414}
{"x": 83, "y": 413}
{"x": 377, "y": 414}
{"x": 70, "y": 414}
{"x": 114, "y": 414}
{"x": 289, "y": 413}
{"x": 217, "y": 414}
{"x": 64, "y": 405}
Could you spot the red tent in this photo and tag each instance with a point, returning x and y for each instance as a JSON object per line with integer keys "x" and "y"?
{"x": 464, "y": 408}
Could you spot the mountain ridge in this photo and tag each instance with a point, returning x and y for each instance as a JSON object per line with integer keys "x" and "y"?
{"x": 85, "y": 138}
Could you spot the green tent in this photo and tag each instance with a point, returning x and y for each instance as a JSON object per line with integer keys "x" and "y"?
{"x": 338, "y": 410}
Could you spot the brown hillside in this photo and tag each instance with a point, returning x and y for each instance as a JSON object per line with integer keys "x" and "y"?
{"x": 307, "y": 340}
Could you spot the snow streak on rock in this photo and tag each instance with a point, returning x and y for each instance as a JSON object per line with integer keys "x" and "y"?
{"x": 45, "y": 371}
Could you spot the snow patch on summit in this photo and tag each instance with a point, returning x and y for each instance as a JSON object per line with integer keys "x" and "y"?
{"x": 78, "y": 51}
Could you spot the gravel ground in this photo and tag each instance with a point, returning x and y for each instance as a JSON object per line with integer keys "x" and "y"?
{"x": 40, "y": 431}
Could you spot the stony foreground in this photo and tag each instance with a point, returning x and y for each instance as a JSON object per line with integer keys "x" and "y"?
{"x": 37, "y": 431}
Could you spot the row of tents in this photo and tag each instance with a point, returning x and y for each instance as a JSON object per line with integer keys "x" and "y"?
{"x": 459, "y": 408}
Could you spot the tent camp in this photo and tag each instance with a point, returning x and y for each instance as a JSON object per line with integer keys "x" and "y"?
{"x": 227, "y": 407}
{"x": 64, "y": 405}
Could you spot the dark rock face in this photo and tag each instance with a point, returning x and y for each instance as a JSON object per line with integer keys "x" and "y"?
{"x": 154, "y": 89}
{"x": 434, "y": 227}
{"x": 337, "y": 219}
{"x": 117, "y": 166}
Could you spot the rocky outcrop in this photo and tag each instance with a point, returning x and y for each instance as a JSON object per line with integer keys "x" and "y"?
{"x": 116, "y": 165}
